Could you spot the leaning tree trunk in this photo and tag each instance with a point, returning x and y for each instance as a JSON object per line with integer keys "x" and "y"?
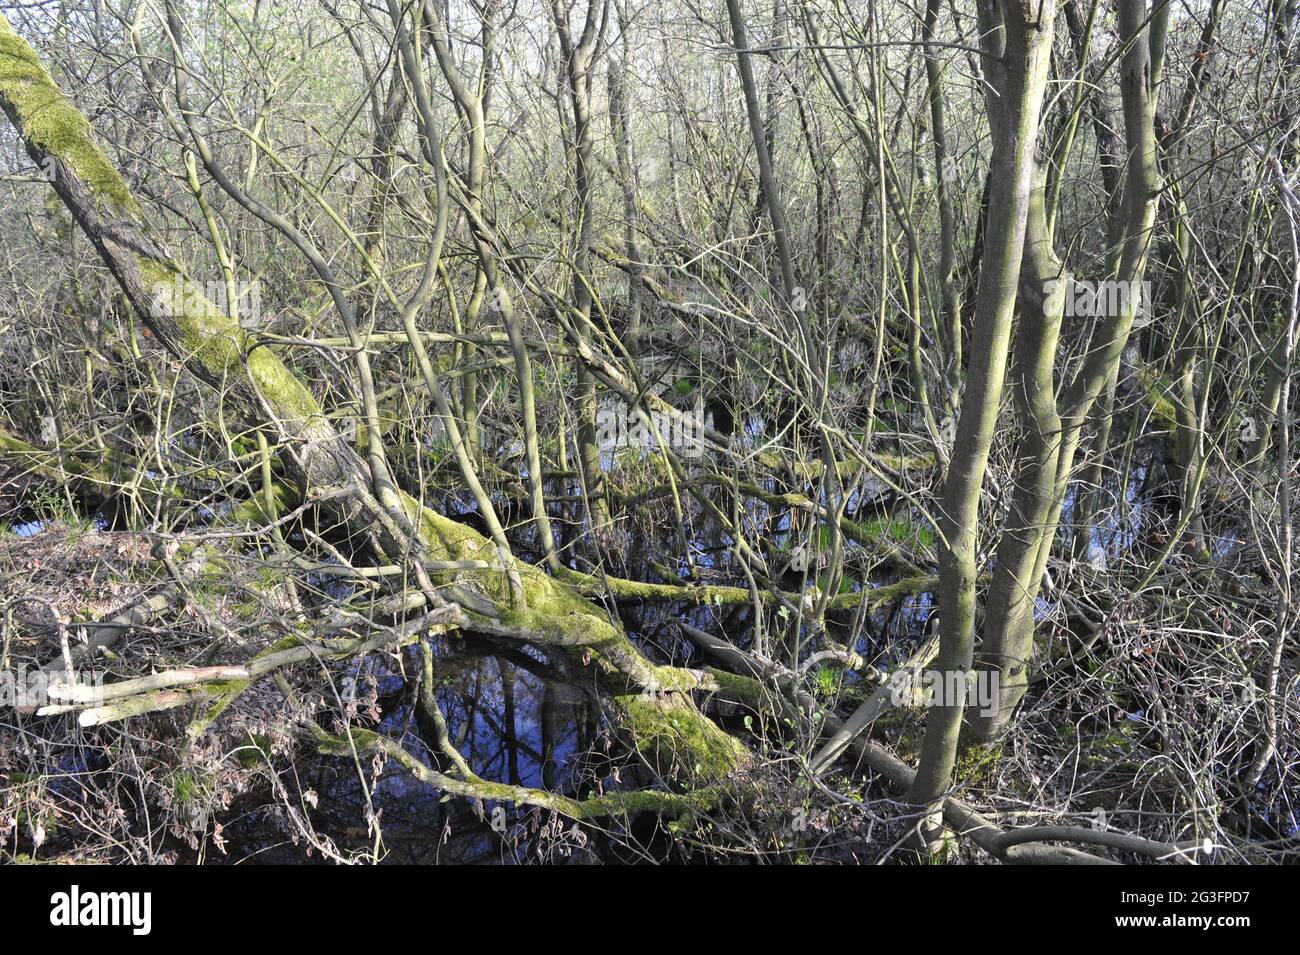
{"x": 652, "y": 704}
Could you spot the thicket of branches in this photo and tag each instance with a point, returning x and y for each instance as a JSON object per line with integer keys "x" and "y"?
{"x": 393, "y": 393}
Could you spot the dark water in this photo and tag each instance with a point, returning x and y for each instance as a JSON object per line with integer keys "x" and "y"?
{"x": 511, "y": 719}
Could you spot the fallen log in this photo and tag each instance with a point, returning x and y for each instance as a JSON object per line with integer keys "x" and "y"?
{"x": 216, "y": 349}
{"x": 105, "y": 634}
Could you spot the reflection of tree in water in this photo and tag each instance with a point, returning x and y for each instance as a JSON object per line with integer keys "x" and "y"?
{"x": 511, "y": 719}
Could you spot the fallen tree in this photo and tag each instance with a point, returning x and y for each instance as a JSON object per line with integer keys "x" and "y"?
{"x": 652, "y": 704}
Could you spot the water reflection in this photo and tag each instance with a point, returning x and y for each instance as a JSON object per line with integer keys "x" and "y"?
{"x": 508, "y": 713}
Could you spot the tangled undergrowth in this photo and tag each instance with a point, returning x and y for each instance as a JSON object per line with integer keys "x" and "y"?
{"x": 1135, "y": 745}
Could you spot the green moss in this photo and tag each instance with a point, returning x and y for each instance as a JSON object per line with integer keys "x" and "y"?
{"x": 253, "y": 510}
{"x": 880, "y": 596}
{"x": 287, "y": 395}
{"x": 247, "y": 610}
{"x": 49, "y": 121}
{"x": 560, "y": 612}
{"x": 708, "y": 595}
{"x": 448, "y": 539}
{"x": 1157, "y": 392}
{"x": 256, "y": 753}
{"x": 742, "y": 689}
{"x": 565, "y": 620}
{"x": 676, "y": 679}
{"x": 689, "y": 745}
{"x": 649, "y": 800}
{"x": 222, "y": 693}
{"x": 552, "y": 608}
{"x": 976, "y": 764}
{"x": 207, "y": 334}
{"x": 185, "y": 788}
{"x": 217, "y": 342}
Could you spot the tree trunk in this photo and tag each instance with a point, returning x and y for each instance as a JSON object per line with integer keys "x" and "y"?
{"x": 1016, "y": 54}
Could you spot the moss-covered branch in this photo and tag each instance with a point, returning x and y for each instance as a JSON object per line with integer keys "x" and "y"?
{"x": 217, "y": 350}
{"x": 721, "y": 595}
{"x": 475, "y": 787}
